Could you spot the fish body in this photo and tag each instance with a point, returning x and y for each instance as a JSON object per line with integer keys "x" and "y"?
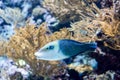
{"x": 62, "y": 49}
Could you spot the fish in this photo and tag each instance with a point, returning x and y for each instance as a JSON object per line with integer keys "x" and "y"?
{"x": 63, "y": 49}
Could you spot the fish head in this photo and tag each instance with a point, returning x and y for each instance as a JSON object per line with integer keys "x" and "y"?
{"x": 50, "y": 51}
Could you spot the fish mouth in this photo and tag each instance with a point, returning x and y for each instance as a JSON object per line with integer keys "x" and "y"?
{"x": 37, "y": 55}
{"x": 41, "y": 58}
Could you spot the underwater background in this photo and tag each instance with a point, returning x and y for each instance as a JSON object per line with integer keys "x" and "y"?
{"x": 27, "y": 25}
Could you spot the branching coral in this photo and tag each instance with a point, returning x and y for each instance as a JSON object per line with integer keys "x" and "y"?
{"x": 84, "y": 30}
{"x": 109, "y": 25}
{"x": 109, "y": 21}
{"x": 104, "y": 22}
{"x": 28, "y": 40}
{"x": 3, "y": 45}
{"x": 13, "y": 16}
{"x": 116, "y": 7}
{"x": 81, "y": 68}
{"x": 71, "y": 10}
{"x": 106, "y": 3}
{"x": 109, "y": 75}
{"x": 91, "y": 20}
{"x": 111, "y": 28}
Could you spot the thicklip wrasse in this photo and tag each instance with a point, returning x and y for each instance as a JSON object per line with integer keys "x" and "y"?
{"x": 62, "y": 49}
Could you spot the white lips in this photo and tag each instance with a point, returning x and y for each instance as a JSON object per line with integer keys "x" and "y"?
{"x": 37, "y": 54}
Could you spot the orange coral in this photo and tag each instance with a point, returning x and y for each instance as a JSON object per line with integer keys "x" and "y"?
{"x": 111, "y": 28}
{"x": 109, "y": 25}
{"x": 71, "y": 10}
{"x": 3, "y": 45}
{"x": 28, "y": 40}
{"x": 84, "y": 30}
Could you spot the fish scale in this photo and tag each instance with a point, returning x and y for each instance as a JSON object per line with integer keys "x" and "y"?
{"x": 71, "y": 47}
{"x": 63, "y": 49}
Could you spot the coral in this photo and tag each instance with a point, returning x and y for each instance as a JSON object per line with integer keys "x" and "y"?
{"x": 12, "y": 16}
{"x": 116, "y": 7}
{"x": 106, "y": 3}
{"x": 8, "y": 68}
{"x": 110, "y": 27}
{"x": 38, "y": 11}
{"x": 60, "y": 73}
{"x": 28, "y": 40}
{"x": 80, "y": 68}
{"x": 35, "y": 77}
{"x": 4, "y": 75}
{"x": 6, "y": 32}
{"x": 109, "y": 75}
{"x": 3, "y": 45}
{"x": 82, "y": 63}
{"x": 106, "y": 62}
{"x": 24, "y": 11}
{"x": 17, "y": 76}
{"x": 105, "y": 23}
{"x": 70, "y": 11}
{"x": 89, "y": 21}
{"x": 84, "y": 30}
{"x": 40, "y": 15}
{"x": 65, "y": 74}
{"x": 109, "y": 20}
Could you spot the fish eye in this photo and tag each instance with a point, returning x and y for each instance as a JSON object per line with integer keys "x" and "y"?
{"x": 51, "y": 47}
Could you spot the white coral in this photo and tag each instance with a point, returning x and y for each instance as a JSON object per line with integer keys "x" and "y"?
{"x": 12, "y": 16}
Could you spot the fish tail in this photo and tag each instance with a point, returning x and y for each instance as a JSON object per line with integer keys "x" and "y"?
{"x": 93, "y": 45}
